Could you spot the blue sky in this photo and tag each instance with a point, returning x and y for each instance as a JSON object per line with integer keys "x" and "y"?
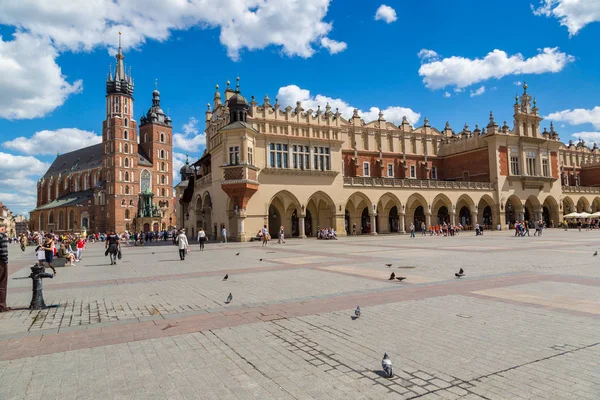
{"x": 447, "y": 61}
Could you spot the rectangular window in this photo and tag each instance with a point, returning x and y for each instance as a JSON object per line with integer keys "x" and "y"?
{"x": 234, "y": 155}
{"x": 434, "y": 173}
{"x": 366, "y": 169}
{"x": 413, "y": 171}
{"x": 250, "y": 156}
{"x": 531, "y": 161}
{"x": 545, "y": 167}
{"x": 514, "y": 165}
{"x": 390, "y": 171}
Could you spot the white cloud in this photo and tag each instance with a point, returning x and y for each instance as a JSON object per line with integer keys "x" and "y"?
{"x": 589, "y": 137}
{"x": 478, "y": 92}
{"x": 289, "y": 95}
{"x": 51, "y": 142}
{"x": 31, "y": 83}
{"x": 447, "y": 94}
{"x": 462, "y": 72}
{"x": 517, "y": 83}
{"x": 385, "y": 13}
{"x": 333, "y": 46}
{"x": 574, "y": 14}
{"x": 190, "y": 140}
{"x": 17, "y": 185}
{"x": 178, "y": 162}
{"x": 578, "y": 116}
{"x": 427, "y": 55}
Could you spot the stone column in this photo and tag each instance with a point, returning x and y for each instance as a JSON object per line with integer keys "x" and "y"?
{"x": 473, "y": 219}
{"x": 301, "y": 227}
{"x": 241, "y": 234}
{"x": 402, "y": 223}
{"x": 374, "y": 224}
{"x": 340, "y": 225}
{"x": 453, "y": 218}
{"x": 427, "y": 220}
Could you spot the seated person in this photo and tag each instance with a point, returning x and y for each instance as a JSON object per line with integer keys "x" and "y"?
{"x": 64, "y": 253}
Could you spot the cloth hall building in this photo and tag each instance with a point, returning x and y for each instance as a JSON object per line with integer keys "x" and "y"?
{"x": 123, "y": 183}
{"x": 310, "y": 169}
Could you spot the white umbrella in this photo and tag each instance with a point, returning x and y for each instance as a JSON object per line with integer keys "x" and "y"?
{"x": 595, "y": 215}
{"x": 585, "y": 215}
{"x": 573, "y": 215}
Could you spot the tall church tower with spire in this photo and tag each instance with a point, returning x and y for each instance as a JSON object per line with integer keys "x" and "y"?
{"x": 119, "y": 148}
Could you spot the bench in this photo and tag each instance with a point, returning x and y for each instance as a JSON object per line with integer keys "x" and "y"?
{"x": 59, "y": 262}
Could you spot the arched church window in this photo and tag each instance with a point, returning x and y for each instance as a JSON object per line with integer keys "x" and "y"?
{"x": 162, "y": 166}
{"x": 126, "y": 176}
{"x": 126, "y": 162}
{"x": 126, "y": 104}
{"x": 126, "y": 191}
{"x": 127, "y": 214}
{"x": 126, "y": 123}
{"x": 116, "y": 104}
{"x": 162, "y": 154}
{"x": 162, "y": 192}
{"x": 162, "y": 137}
{"x": 162, "y": 179}
{"x": 125, "y": 135}
{"x": 126, "y": 147}
{"x": 145, "y": 180}
{"x": 123, "y": 202}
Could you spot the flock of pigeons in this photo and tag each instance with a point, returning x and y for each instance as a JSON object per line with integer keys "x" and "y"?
{"x": 386, "y": 363}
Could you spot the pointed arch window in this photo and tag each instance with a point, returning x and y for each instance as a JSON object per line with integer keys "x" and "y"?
{"x": 126, "y": 191}
{"x": 162, "y": 192}
{"x": 162, "y": 137}
{"x": 126, "y": 162}
{"x": 126, "y": 147}
{"x": 126, "y": 176}
{"x": 130, "y": 203}
{"x": 126, "y": 122}
{"x": 116, "y": 104}
{"x": 162, "y": 166}
{"x": 126, "y": 105}
{"x": 162, "y": 179}
{"x": 123, "y": 202}
{"x": 125, "y": 135}
{"x": 145, "y": 181}
{"x": 127, "y": 214}
{"x": 162, "y": 154}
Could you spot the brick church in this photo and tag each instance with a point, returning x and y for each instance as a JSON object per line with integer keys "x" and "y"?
{"x": 123, "y": 183}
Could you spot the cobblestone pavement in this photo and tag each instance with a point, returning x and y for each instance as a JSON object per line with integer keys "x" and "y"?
{"x": 524, "y": 323}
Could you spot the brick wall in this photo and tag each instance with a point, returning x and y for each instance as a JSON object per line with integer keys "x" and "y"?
{"x": 554, "y": 164}
{"x": 503, "y": 158}
{"x": 476, "y": 163}
{"x": 590, "y": 176}
{"x": 375, "y": 170}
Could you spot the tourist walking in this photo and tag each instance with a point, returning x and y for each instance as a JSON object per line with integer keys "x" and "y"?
{"x": 3, "y": 267}
{"x": 48, "y": 247}
{"x": 281, "y": 236}
{"x": 183, "y": 244}
{"x": 201, "y": 238}
{"x": 224, "y": 234}
{"x": 112, "y": 247}
{"x": 265, "y": 236}
{"x": 412, "y": 230}
{"x": 423, "y": 227}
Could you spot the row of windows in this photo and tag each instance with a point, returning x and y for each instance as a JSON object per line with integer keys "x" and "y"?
{"x": 234, "y": 155}
{"x": 531, "y": 163}
{"x": 126, "y": 135}
{"x": 279, "y": 157}
{"x": 127, "y": 190}
{"x": 390, "y": 171}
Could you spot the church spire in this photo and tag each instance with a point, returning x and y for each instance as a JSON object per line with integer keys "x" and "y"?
{"x": 122, "y": 82}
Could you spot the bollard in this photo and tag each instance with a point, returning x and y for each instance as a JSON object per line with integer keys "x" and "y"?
{"x": 37, "y": 298}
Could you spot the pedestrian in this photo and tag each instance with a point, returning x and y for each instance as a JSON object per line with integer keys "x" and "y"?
{"x": 412, "y": 230}
{"x": 112, "y": 247}
{"x": 201, "y": 238}
{"x": 354, "y": 229}
{"x": 3, "y": 267}
{"x": 265, "y": 236}
{"x": 182, "y": 244}
{"x": 80, "y": 247}
{"x": 224, "y": 234}
{"x": 49, "y": 247}
{"x": 536, "y": 225}
{"x": 477, "y": 229}
{"x": 423, "y": 227}
{"x": 281, "y": 236}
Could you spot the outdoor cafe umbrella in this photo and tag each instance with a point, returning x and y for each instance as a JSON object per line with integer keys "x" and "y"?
{"x": 573, "y": 215}
{"x": 585, "y": 215}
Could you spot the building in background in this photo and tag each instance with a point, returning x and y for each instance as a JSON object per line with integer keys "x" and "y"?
{"x": 310, "y": 169}
{"x": 123, "y": 183}
{"x": 6, "y": 217}
{"x": 21, "y": 224}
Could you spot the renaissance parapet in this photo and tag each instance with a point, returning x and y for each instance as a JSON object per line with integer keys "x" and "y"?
{"x": 416, "y": 183}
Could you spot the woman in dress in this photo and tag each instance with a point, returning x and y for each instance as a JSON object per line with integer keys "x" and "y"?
{"x": 48, "y": 248}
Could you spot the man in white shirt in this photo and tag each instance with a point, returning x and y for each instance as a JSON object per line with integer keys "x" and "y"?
{"x": 182, "y": 243}
{"x": 224, "y": 234}
{"x": 201, "y": 238}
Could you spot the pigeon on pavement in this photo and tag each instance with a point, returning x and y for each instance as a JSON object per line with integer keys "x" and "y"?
{"x": 260, "y": 259}
{"x": 460, "y": 273}
{"x": 229, "y": 298}
{"x": 386, "y": 364}
{"x": 401, "y": 278}
{"x": 596, "y": 253}
{"x": 392, "y": 277}
{"x": 357, "y": 312}
{"x": 226, "y": 277}
{"x": 388, "y": 265}
{"x": 237, "y": 254}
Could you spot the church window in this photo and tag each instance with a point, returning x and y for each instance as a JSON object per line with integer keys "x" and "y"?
{"x": 116, "y": 104}
{"x": 123, "y": 202}
{"x": 126, "y": 104}
{"x": 162, "y": 192}
{"x": 162, "y": 166}
{"x": 130, "y": 203}
{"x": 162, "y": 179}
{"x": 162, "y": 154}
{"x": 127, "y": 214}
{"x": 125, "y": 135}
{"x": 126, "y": 147}
{"x": 145, "y": 181}
{"x": 126, "y": 125}
{"x": 126, "y": 162}
{"x": 108, "y": 134}
{"x": 126, "y": 189}
{"x": 162, "y": 137}
{"x": 126, "y": 176}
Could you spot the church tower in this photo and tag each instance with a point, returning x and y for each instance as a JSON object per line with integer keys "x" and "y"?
{"x": 119, "y": 149}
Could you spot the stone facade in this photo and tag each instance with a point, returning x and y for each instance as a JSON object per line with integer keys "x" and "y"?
{"x": 305, "y": 169}
{"x": 102, "y": 187}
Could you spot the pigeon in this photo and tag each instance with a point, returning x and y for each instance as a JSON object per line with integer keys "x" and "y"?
{"x": 229, "y": 298}
{"x": 596, "y": 253}
{"x": 388, "y": 265}
{"x": 401, "y": 278}
{"x": 386, "y": 364}
{"x": 357, "y": 312}
{"x": 226, "y": 277}
{"x": 237, "y": 254}
{"x": 392, "y": 277}
{"x": 460, "y": 273}
{"x": 260, "y": 259}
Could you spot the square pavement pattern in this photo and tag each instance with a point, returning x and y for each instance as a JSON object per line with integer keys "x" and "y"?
{"x": 524, "y": 323}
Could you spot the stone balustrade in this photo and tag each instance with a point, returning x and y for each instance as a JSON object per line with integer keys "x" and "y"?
{"x": 581, "y": 189}
{"x": 204, "y": 181}
{"x": 415, "y": 183}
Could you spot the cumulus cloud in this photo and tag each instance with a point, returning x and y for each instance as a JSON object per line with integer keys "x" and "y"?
{"x": 386, "y": 14}
{"x": 33, "y": 84}
{"x": 574, "y": 14}
{"x": 191, "y": 140}
{"x": 17, "y": 184}
{"x": 178, "y": 162}
{"x": 289, "y": 95}
{"x": 333, "y": 46}
{"x": 427, "y": 55}
{"x": 589, "y": 137}
{"x": 577, "y": 116}
{"x": 517, "y": 83}
{"x": 447, "y": 95}
{"x": 48, "y": 142}
{"x": 462, "y": 72}
{"x": 478, "y": 92}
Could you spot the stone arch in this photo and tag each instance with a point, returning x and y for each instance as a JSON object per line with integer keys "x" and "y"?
{"x": 440, "y": 209}
{"x": 417, "y": 211}
{"x": 281, "y": 208}
{"x": 550, "y": 212}
{"x": 206, "y": 212}
{"x": 513, "y": 209}
{"x": 568, "y": 205}
{"x": 322, "y": 211}
{"x": 61, "y": 220}
{"x": 356, "y": 205}
{"x": 596, "y": 204}
{"x": 51, "y": 218}
{"x": 583, "y": 205}
{"x": 485, "y": 212}
{"x": 388, "y": 213}
{"x": 532, "y": 210}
